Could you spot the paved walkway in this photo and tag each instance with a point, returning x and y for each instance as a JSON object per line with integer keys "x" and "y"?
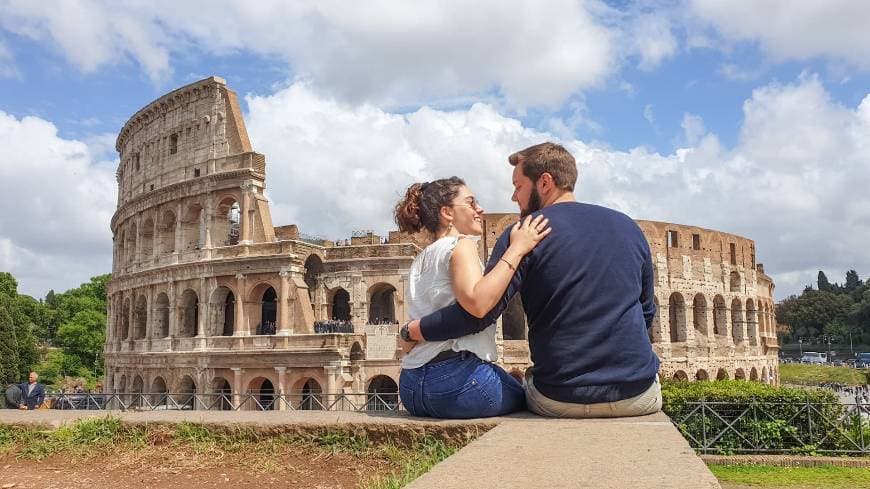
{"x": 521, "y": 451}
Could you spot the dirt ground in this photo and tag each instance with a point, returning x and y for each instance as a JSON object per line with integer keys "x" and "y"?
{"x": 158, "y": 469}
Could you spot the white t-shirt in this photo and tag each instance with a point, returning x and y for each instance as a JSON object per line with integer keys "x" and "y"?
{"x": 430, "y": 288}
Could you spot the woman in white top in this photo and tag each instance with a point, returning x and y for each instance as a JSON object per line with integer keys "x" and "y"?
{"x": 456, "y": 378}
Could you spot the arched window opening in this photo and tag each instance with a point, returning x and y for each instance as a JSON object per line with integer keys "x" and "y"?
{"x": 186, "y": 398}
{"x": 735, "y": 282}
{"x": 699, "y": 313}
{"x": 310, "y": 396}
{"x": 722, "y": 374}
{"x": 382, "y": 394}
{"x": 702, "y": 375}
{"x": 147, "y": 239}
{"x": 158, "y": 392}
{"x": 720, "y": 318}
{"x": 681, "y": 376}
{"x": 262, "y": 392}
{"x": 737, "y": 321}
{"x": 140, "y": 318}
{"x": 313, "y": 269}
{"x": 229, "y": 315}
{"x": 341, "y": 305}
{"x": 382, "y": 305}
{"x": 167, "y": 232}
{"x": 161, "y": 310}
{"x": 268, "y": 313}
{"x": 513, "y": 320}
{"x": 223, "y": 394}
{"x": 226, "y": 223}
{"x": 193, "y": 228}
{"x": 189, "y": 314}
{"x": 677, "y": 316}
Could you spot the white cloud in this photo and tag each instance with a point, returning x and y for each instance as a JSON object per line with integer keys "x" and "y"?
{"x": 649, "y": 115}
{"x": 793, "y": 29}
{"x": 794, "y": 183}
{"x": 393, "y": 53}
{"x": 54, "y": 230}
{"x": 652, "y": 39}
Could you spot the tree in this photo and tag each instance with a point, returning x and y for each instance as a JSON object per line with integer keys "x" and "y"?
{"x": 8, "y": 285}
{"x": 814, "y": 309}
{"x": 823, "y": 284}
{"x": 83, "y": 337}
{"x": 852, "y": 281}
{"x": 8, "y": 349}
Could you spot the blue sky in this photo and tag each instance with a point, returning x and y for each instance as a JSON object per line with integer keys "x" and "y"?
{"x": 744, "y": 117}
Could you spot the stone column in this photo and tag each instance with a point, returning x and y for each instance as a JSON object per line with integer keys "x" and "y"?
{"x": 155, "y": 240}
{"x": 241, "y": 328}
{"x": 237, "y": 386}
{"x": 149, "y": 315}
{"x": 207, "y": 216}
{"x": 131, "y": 318}
{"x": 137, "y": 257}
{"x": 332, "y": 371}
{"x": 202, "y": 311}
{"x": 283, "y": 304}
{"x": 173, "y": 314}
{"x": 245, "y": 212}
{"x": 281, "y": 391}
{"x": 179, "y": 239}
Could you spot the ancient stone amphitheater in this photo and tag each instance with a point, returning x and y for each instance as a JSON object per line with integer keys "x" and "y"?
{"x": 207, "y": 296}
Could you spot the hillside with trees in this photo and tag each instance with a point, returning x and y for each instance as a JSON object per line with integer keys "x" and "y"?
{"x": 839, "y": 311}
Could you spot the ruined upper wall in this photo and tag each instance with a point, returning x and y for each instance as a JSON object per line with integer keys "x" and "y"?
{"x": 188, "y": 133}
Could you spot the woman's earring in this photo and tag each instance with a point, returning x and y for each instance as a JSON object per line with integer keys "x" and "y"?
{"x": 449, "y": 226}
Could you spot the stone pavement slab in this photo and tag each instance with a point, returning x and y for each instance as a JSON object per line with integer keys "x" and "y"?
{"x": 525, "y": 452}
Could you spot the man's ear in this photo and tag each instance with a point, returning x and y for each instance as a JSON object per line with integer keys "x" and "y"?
{"x": 546, "y": 183}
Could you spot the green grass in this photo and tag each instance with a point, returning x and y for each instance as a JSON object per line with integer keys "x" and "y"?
{"x": 828, "y": 476}
{"x": 415, "y": 461}
{"x": 411, "y": 457}
{"x": 795, "y": 373}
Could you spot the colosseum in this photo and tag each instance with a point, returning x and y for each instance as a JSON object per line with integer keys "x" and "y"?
{"x": 207, "y": 296}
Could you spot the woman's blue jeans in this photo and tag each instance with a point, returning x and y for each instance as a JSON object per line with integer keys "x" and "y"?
{"x": 462, "y": 387}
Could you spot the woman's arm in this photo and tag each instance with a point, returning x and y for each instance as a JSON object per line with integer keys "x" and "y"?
{"x": 478, "y": 293}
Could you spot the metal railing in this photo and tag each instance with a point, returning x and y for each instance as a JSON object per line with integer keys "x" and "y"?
{"x": 761, "y": 427}
{"x": 160, "y": 401}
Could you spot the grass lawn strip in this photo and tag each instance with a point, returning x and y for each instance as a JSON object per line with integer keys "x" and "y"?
{"x": 194, "y": 446}
{"x": 795, "y": 373}
{"x": 829, "y": 477}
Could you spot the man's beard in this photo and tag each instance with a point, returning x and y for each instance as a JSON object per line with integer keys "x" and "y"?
{"x": 533, "y": 205}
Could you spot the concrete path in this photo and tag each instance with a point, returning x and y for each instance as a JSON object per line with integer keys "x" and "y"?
{"x": 521, "y": 451}
{"x": 645, "y": 453}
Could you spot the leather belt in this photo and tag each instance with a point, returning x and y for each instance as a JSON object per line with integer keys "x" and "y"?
{"x": 449, "y": 354}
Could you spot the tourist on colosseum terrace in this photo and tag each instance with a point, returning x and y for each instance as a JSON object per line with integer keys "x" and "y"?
{"x": 587, "y": 291}
{"x": 455, "y": 377}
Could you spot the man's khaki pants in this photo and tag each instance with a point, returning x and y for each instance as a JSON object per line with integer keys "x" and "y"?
{"x": 647, "y": 402}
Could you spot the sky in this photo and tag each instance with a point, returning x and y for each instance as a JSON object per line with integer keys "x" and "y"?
{"x": 747, "y": 117}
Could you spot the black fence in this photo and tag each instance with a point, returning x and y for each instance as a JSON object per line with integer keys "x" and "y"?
{"x": 757, "y": 427}
{"x": 161, "y": 401}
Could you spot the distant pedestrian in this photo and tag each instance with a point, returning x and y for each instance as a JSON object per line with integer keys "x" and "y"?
{"x": 32, "y": 393}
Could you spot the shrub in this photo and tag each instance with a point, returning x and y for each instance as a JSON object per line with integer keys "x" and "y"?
{"x": 761, "y": 417}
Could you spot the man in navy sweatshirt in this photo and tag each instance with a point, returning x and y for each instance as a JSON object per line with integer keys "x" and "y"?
{"x": 587, "y": 291}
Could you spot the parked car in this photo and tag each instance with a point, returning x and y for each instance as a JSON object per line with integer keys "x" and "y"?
{"x": 814, "y": 357}
{"x": 862, "y": 360}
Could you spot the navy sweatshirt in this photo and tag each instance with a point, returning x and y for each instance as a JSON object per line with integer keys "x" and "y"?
{"x": 587, "y": 291}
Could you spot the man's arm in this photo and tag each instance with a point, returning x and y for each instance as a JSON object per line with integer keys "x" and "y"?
{"x": 454, "y": 322}
{"x": 41, "y": 397}
{"x": 647, "y": 293}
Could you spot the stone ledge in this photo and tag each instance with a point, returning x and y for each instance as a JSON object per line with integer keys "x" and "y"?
{"x": 520, "y": 451}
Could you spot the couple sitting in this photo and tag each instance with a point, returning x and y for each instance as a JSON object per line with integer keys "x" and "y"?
{"x": 586, "y": 280}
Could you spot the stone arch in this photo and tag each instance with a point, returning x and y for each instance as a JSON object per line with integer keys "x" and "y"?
{"x": 226, "y": 222}
{"x": 223, "y": 394}
{"x": 147, "y": 245}
{"x": 124, "y": 323}
{"x": 737, "y": 321}
{"x": 121, "y": 241}
{"x": 753, "y": 374}
{"x": 166, "y": 230}
{"x": 735, "y": 282}
{"x": 513, "y": 320}
{"x": 722, "y": 374}
{"x": 140, "y": 318}
{"x": 677, "y": 317}
{"x": 263, "y": 391}
{"x": 340, "y": 305}
{"x": 161, "y": 316}
{"x": 309, "y": 393}
{"x": 268, "y": 312}
{"x": 765, "y": 377}
{"x": 123, "y": 384}
{"x": 382, "y": 303}
{"x": 702, "y": 374}
{"x": 192, "y": 228}
{"x": 382, "y": 394}
{"x": 188, "y": 322}
{"x": 680, "y": 375}
{"x": 313, "y": 269}
{"x": 137, "y": 388}
{"x": 223, "y": 303}
{"x": 739, "y": 374}
{"x": 158, "y": 391}
{"x": 130, "y": 245}
{"x": 751, "y": 322}
{"x": 186, "y": 390}
{"x": 356, "y": 352}
{"x": 720, "y": 316}
{"x": 699, "y": 314}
